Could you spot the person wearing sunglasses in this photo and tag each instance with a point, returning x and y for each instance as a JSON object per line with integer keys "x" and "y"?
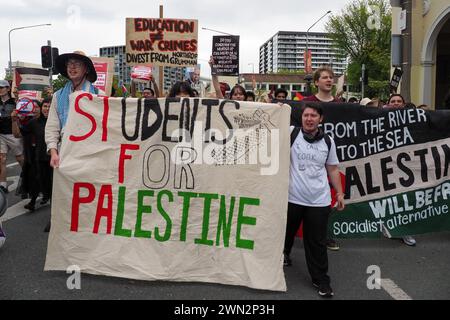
{"x": 79, "y": 70}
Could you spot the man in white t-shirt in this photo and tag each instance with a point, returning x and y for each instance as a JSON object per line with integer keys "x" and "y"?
{"x": 313, "y": 158}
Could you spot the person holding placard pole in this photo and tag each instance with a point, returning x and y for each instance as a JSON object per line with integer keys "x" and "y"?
{"x": 237, "y": 93}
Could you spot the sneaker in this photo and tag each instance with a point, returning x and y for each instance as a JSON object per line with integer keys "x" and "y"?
{"x": 332, "y": 245}
{"x": 29, "y": 206}
{"x": 44, "y": 200}
{"x": 287, "y": 260}
{"x": 325, "y": 291}
{"x": 409, "y": 240}
{"x": 4, "y": 189}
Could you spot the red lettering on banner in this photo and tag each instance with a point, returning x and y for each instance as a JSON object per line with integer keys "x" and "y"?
{"x": 105, "y": 119}
{"x": 77, "y": 200}
{"x": 178, "y": 45}
{"x": 87, "y": 115}
{"x": 105, "y": 191}
{"x": 123, "y": 157}
{"x": 141, "y": 45}
{"x": 138, "y": 25}
{"x": 193, "y": 45}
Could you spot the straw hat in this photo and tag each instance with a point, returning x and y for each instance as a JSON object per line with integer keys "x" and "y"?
{"x": 61, "y": 62}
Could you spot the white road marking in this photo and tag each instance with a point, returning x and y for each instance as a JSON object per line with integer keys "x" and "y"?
{"x": 12, "y": 164}
{"x": 393, "y": 290}
{"x": 15, "y": 210}
{"x": 12, "y": 187}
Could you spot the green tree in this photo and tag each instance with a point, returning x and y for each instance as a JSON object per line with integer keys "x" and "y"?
{"x": 363, "y": 32}
{"x": 58, "y": 83}
{"x": 118, "y": 88}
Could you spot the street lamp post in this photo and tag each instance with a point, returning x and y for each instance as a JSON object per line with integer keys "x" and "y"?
{"x": 9, "y": 40}
{"x": 253, "y": 66}
{"x": 217, "y": 31}
{"x": 308, "y": 77}
{"x": 225, "y": 33}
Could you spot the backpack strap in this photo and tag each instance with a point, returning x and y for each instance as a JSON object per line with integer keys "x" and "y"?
{"x": 294, "y": 134}
{"x": 327, "y": 139}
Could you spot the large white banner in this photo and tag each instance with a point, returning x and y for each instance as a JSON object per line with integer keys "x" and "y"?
{"x": 159, "y": 189}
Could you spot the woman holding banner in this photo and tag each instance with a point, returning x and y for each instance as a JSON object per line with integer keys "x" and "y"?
{"x": 80, "y": 72}
{"x": 313, "y": 158}
{"x": 397, "y": 101}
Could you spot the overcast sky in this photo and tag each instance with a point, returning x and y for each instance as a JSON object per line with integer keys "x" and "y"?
{"x": 88, "y": 25}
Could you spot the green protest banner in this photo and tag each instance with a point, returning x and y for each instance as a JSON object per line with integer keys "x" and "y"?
{"x": 395, "y": 167}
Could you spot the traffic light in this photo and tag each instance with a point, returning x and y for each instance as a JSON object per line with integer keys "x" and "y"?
{"x": 46, "y": 57}
{"x": 55, "y": 54}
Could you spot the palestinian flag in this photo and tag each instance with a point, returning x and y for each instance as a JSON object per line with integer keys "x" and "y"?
{"x": 31, "y": 79}
{"x": 124, "y": 91}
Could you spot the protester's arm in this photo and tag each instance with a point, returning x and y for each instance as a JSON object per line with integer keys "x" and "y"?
{"x": 215, "y": 81}
{"x": 335, "y": 178}
{"x": 53, "y": 134}
{"x": 133, "y": 89}
{"x": 155, "y": 87}
{"x": 15, "y": 125}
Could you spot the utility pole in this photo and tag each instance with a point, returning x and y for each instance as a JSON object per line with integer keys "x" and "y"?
{"x": 347, "y": 86}
{"x": 308, "y": 77}
{"x": 50, "y": 70}
{"x": 407, "y": 45}
{"x": 363, "y": 73}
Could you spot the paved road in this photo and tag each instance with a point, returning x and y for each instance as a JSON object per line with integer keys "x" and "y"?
{"x": 419, "y": 272}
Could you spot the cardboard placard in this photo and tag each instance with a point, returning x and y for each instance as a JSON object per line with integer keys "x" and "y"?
{"x": 226, "y": 55}
{"x": 161, "y": 42}
{"x": 395, "y": 81}
{"x": 141, "y": 73}
{"x": 105, "y": 72}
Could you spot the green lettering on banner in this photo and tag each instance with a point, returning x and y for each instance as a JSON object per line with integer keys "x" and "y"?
{"x": 138, "y": 232}
{"x": 415, "y": 212}
{"x": 206, "y": 212}
{"x": 186, "y": 204}
{"x": 224, "y": 226}
{"x": 251, "y": 221}
{"x": 118, "y": 229}
{"x": 166, "y": 217}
